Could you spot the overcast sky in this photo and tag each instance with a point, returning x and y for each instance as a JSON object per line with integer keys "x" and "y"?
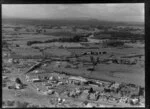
{"x": 111, "y": 12}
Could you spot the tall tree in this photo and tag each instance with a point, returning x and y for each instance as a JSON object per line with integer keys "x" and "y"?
{"x": 94, "y": 62}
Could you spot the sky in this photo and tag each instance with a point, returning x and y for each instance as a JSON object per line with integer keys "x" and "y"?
{"x": 110, "y": 12}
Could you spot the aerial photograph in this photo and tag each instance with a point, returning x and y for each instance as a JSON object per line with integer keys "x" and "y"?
{"x": 73, "y": 55}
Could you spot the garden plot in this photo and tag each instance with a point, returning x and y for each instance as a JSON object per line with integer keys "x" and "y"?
{"x": 57, "y": 44}
{"x": 37, "y": 37}
{"x": 57, "y": 52}
{"x": 27, "y": 51}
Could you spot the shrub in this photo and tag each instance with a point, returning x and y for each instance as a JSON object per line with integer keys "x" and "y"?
{"x": 113, "y": 43}
{"x": 29, "y": 43}
{"x": 33, "y": 106}
{"x": 4, "y": 85}
{"x": 4, "y": 44}
{"x": 18, "y": 81}
{"x": 10, "y": 103}
{"x": 3, "y": 103}
{"x": 75, "y": 38}
{"x": 22, "y": 105}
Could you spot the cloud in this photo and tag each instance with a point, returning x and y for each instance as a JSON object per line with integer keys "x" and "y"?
{"x": 119, "y": 12}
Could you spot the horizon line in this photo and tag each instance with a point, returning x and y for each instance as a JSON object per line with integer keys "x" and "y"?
{"x": 73, "y": 19}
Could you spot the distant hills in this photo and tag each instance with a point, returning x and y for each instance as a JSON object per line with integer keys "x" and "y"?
{"x": 72, "y": 21}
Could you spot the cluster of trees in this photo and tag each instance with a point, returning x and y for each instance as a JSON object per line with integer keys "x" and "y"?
{"x": 102, "y": 27}
{"x": 76, "y": 38}
{"x": 123, "y": 35}
{"x": 17, "y": 28}
{"x": 113, "y": 43}
{"x": 94, "y": 62}
{"x": 127, "y": 35}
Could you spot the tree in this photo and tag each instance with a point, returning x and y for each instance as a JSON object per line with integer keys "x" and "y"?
{"x": 94, "y": 62}
{"x": 76, "y": 38}
{"x": 18, "y": 81}
{"x": 97, "y": 60}
{"x": 91, "y": 90}
{"x": 76, "y": 56}
{"x": 92, "y": 59}
{"x": 44, "y": 31}
{"x": 17, "y": 45}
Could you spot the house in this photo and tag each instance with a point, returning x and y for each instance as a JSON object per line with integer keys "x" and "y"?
{"x": 77, "y": 80}
{"x": 60, "y": 83}
{"x": 91, "y": 105}
{"x": 93, "y": 96}
{"x": 5, "y": 77}
{"x": 88, "y": 64}
{"x": 53, "y": 78}
{"x": 16, "y": 61}
{"x": 84, "y": 95}
{"x": 5, "y": 54}
{"x": 36, "y": 71}
{"x": 45, "y": 65}
{"x": 91, "y": 36}
{"x": 99, "y": 83}
{"x": 134, "y": 101}
{"x": 115, "y": 85}
{"x": 75, "y": 93}
{"x": 57, "y": 64}
{"x": 10, "y": 60}
{"x": 42, "y": 76}
{"x": 49, "y": 92}
{"x": 33, "y": 78}
{"x": 17, "y": 86}
{"x": 123, "y": 100}
{"x": 36, "y": 80}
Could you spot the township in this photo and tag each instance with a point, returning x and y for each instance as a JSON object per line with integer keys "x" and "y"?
{"x": 47, "y": 65}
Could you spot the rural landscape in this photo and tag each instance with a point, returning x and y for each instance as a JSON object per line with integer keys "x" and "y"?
{"x": 72, "y": 63}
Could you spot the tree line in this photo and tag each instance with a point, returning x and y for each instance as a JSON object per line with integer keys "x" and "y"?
{"x": 76, "y": 38}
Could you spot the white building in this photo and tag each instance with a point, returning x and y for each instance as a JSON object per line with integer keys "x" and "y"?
{"x": 91, "y": 40}
{"x": 10, "y": 60}
{"x": 18, "y": 86}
